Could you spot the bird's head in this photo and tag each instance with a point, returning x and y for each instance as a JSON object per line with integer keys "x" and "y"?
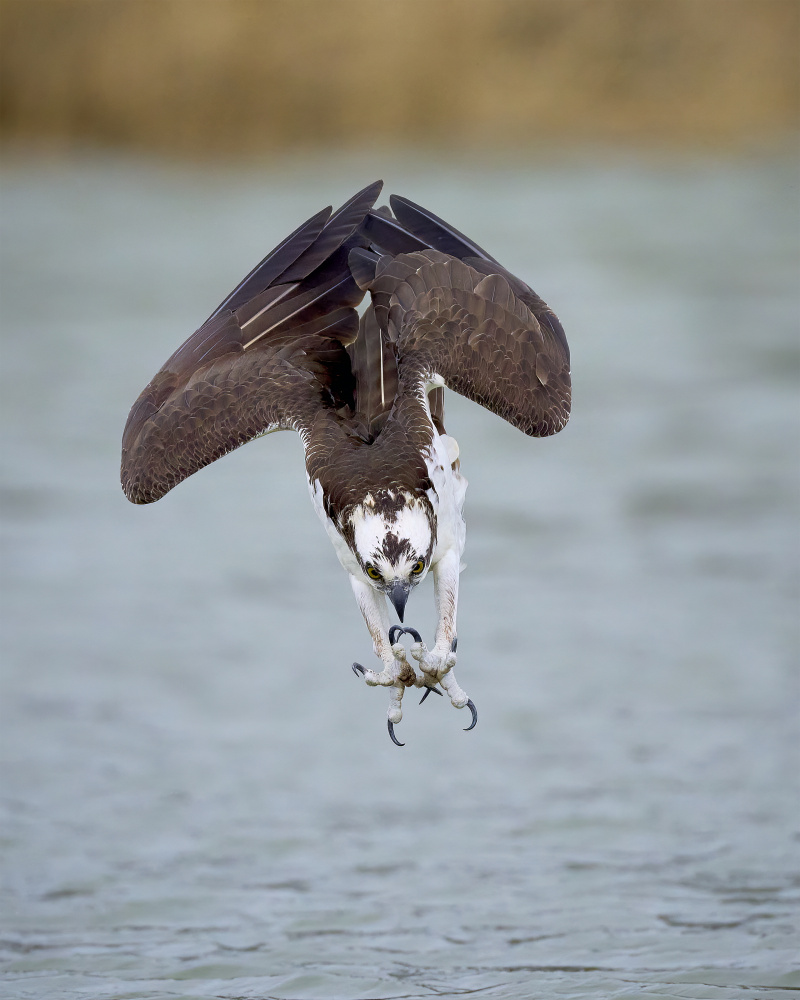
{"x": 392, "y": 535}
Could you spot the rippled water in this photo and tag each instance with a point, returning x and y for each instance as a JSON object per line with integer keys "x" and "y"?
{"x": 200, "y": 800}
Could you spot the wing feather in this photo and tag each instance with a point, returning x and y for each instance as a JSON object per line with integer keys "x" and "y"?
{"x": 435, "y": 231}
{"x": 375, "y": 372}
{"x": 275, "y": 352}
{"x": 272, "y": 355}
{"x": 473, "y": 328}
{"x": 388, "y": 236}
{"x": 276, "y": 262}
{"x": 337, "y": 229}
{"x": 527, "y": 297}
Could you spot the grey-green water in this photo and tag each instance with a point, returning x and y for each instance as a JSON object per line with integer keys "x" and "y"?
{"x": 200, "y": 800}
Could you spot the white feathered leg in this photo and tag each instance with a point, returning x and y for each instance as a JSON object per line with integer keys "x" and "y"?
{"x": 437, "y": 664}
{"x": 397, "y": 672}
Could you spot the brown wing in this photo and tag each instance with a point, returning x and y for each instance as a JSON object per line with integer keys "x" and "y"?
{"x": 416, "y": 228}
{"x": 375, "y": 371}
{"x": 269, "y": 357}
{"x": 453, "y": 311}
{"x": 450, "y": 320}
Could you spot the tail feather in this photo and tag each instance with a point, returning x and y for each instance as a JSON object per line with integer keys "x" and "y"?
{"x": 375, "y": 371}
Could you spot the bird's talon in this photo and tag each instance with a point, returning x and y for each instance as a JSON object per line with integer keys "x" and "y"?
{"x": 471, "y": 706}
{"x": 397, "y": 630}
{"x": 393, "y": 738}
{"x": 358, "y": 669}
{"x": 428, "y": 690}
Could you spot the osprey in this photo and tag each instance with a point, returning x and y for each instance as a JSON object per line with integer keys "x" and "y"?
{"x": 286, "y": 350}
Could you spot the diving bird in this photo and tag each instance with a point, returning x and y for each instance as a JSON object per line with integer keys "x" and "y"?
{"x": 286, "y": 350}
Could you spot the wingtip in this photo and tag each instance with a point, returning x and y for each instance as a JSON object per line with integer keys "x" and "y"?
{"x": 370, "y": 193}
{"x": 437, "y": 233}
{"x": 398, "y": 199}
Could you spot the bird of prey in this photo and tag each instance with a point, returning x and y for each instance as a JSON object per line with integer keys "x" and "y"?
{"x": 287, "y": 350}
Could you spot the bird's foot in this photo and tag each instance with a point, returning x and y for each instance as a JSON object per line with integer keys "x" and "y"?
{"x": 437, "y": 667}
{"x": 396, "y": 691}
{"x": 434, "y": 663}
{"x": 385, "y": 678}
{"x": 458, "y": 698}
{"x": 421, "y": 682}
{"x": 395, "y": 671}
{"x": 398, "y": 674}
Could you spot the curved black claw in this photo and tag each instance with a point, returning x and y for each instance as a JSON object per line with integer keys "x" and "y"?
{"x": 394, "y": 739}
{"x": 399, "y": 630}
{"x": 428, "y": 691}
{"x": 358, "y": 669}
{"x": 471, "y": 707}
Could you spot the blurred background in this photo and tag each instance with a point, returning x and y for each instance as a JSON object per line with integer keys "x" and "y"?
{"x": 232, "y": 77}
{"x": 198, "y": 797}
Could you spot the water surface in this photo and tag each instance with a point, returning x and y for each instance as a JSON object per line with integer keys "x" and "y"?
{"x": 200, "y": 799}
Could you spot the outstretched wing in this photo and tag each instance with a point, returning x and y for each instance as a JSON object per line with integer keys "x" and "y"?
{"x": 269, "y": 357}
{"x": 453, "y": 311}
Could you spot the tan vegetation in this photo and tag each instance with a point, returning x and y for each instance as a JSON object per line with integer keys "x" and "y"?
{"x": 237, "y": 76}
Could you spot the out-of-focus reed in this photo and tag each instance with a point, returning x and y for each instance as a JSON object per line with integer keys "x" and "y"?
{"x": 239, "y": 76}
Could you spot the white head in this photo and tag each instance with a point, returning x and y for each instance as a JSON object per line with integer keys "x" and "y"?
{"x": 392, "y": 535}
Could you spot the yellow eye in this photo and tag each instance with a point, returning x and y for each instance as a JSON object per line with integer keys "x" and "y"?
{"x": 372, "y": 573}
{"x": 418, "y": 567}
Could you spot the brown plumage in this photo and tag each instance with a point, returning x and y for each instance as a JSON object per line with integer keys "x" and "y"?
{"x": 286, "y": 349}
{"x": 270, "y": 356}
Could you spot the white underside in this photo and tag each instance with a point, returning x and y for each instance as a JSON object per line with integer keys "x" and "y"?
{"x": 447, "y": 499}
{"x": 446, "y": 496}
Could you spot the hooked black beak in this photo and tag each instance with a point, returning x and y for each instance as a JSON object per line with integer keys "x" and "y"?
{"x": 398, "y": 595}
